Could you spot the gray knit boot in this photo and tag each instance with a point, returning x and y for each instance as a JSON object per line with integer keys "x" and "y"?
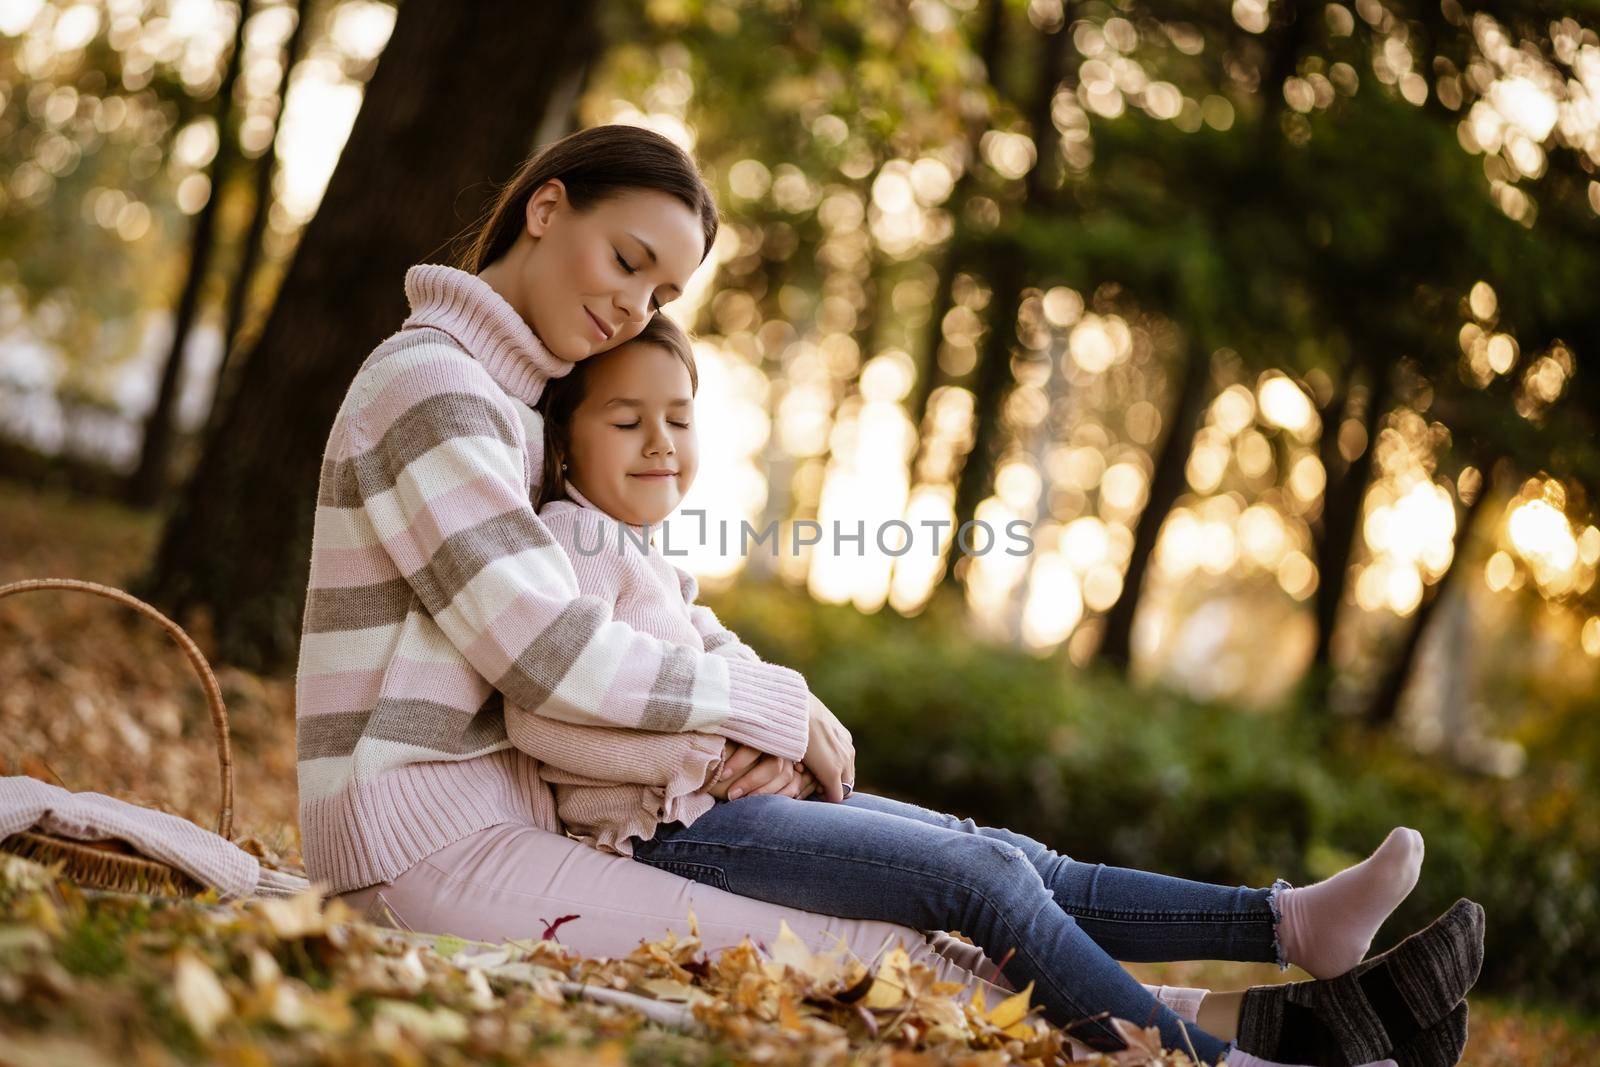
{"x": 1437, "y": 1046}
{"x": 1380, "y": 1006}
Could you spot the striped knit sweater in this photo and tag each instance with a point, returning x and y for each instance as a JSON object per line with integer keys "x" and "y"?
{"x": 611, "y": 784}
{"x": 437, "y": 594}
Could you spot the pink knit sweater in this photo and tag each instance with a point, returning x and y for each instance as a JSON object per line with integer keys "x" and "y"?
{"x": 612, "y": 785}
{"x": 438, "y": 598}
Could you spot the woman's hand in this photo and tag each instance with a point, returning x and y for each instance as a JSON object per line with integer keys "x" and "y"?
{"x": 830, "y": 753}
{"x": 748, "y": 771}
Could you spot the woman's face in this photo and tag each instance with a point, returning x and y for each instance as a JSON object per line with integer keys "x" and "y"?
{"x": 633, "y": 450}
{"x": 588, "y": 281}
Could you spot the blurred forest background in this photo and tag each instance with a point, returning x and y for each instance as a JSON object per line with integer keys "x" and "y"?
{"x": 1278, "y": 319}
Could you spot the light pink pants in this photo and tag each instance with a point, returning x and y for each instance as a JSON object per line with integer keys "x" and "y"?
{"x": 508, "y": 881}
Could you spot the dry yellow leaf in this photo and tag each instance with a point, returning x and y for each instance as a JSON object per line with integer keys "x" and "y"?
{"x": 264, "y": 970}
{"x": 1011, "y": 1010}
{"x": 889, "y": 987}
{"x": 789, "y": 1016}
{"x": 978, "y": 1003}
{"x": 440, "y": 1024}
{"x": 200, "y": 996}
{"x": 293, "y": 917}
{"x": 673, "y": 990}
{"x": 789, "y": 950}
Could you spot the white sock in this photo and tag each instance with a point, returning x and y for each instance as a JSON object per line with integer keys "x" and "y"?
{"x": 1183, "y": 1000}
{"x": 1240, "y": 1058}
{"x": 1327, "y": 928}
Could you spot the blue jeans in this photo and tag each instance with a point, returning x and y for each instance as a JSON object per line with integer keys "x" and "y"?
{"x": 1056, "y": 922}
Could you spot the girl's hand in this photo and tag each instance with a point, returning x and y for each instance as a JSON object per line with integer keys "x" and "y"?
{"x": 736, "y": 760}
{"x": 748, "y": 771}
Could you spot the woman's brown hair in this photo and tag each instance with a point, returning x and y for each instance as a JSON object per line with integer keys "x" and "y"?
{"x": 562, "y": 396}
{"x": 594, "y": 165}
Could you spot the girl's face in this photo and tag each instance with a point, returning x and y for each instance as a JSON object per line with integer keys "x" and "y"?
{"x": 588, "y": 281}
{"x": 633, "y": 450}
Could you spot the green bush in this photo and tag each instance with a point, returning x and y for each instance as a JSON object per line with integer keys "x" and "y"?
{"x": 1150, "y": 779}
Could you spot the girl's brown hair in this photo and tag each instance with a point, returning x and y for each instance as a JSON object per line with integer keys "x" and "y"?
{"x": 594, "y": 165}
{"x": 562, "y": 396}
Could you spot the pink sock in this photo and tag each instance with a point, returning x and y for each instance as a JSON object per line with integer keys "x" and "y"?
{"x": 1240, "y": 1058}
{"x": 1327, "y": 928}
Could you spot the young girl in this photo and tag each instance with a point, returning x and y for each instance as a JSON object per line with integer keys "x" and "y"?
{"x": 442, "y": 616}
{"x": 620, "y": 453}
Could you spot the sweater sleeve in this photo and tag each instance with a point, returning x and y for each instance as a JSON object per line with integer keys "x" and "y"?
{"x": 439, "y": 468}
{"x": 715, "y": 638}
{"x": 595, "y": 755}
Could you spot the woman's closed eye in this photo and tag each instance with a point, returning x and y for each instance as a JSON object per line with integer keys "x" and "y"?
{"x": 655, "y": 305}
{"x": 635, "y": 425}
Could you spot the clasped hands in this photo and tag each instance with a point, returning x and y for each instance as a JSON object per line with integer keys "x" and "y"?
{"x": 829, "y": 764}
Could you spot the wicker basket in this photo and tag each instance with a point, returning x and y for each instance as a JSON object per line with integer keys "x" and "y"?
{"x": 114, "y": 864}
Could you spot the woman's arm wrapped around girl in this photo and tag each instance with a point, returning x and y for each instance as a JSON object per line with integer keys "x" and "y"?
{"x": 611, "y": 783}
{"x": 596, "y": 755}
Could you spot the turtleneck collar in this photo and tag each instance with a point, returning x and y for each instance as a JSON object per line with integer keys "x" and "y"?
{"x": 467, "y": 308}
{"x": 644, "y": 532}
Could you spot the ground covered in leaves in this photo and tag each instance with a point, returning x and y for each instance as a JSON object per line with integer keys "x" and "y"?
{"x": 90, "y": 979}
{"x": 96, "y": 698}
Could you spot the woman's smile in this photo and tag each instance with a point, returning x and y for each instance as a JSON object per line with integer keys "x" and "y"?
{"x": 599, "y": 326}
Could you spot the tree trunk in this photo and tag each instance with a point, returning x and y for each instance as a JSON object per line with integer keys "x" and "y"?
{"x": 148, "y": 483}
{"x": 1287, "y": 36}
{"x": 928, "y": 376}
{"x": 451, "y": 107}
{"x": 1167, "y": 484}
{"x": 1384, "y": 704}
{"x": 1041, "y": 439}
{"x": 989, "y": 390}
{"x": 990, "y": 44}
{"x": 870, "y": 321}
{"x": 261, "y": 211}
{"x": 1040, "y": 182}
{"x": 1007, "y": 275}
{"x": 1341, "y": 523}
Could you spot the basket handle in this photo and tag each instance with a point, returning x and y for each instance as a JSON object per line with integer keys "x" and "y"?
{"x": 197, "y": 660}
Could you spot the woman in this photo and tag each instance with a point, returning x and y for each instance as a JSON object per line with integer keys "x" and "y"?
{"x": 435, "y": 591}
{"x": 437, "y": 595}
